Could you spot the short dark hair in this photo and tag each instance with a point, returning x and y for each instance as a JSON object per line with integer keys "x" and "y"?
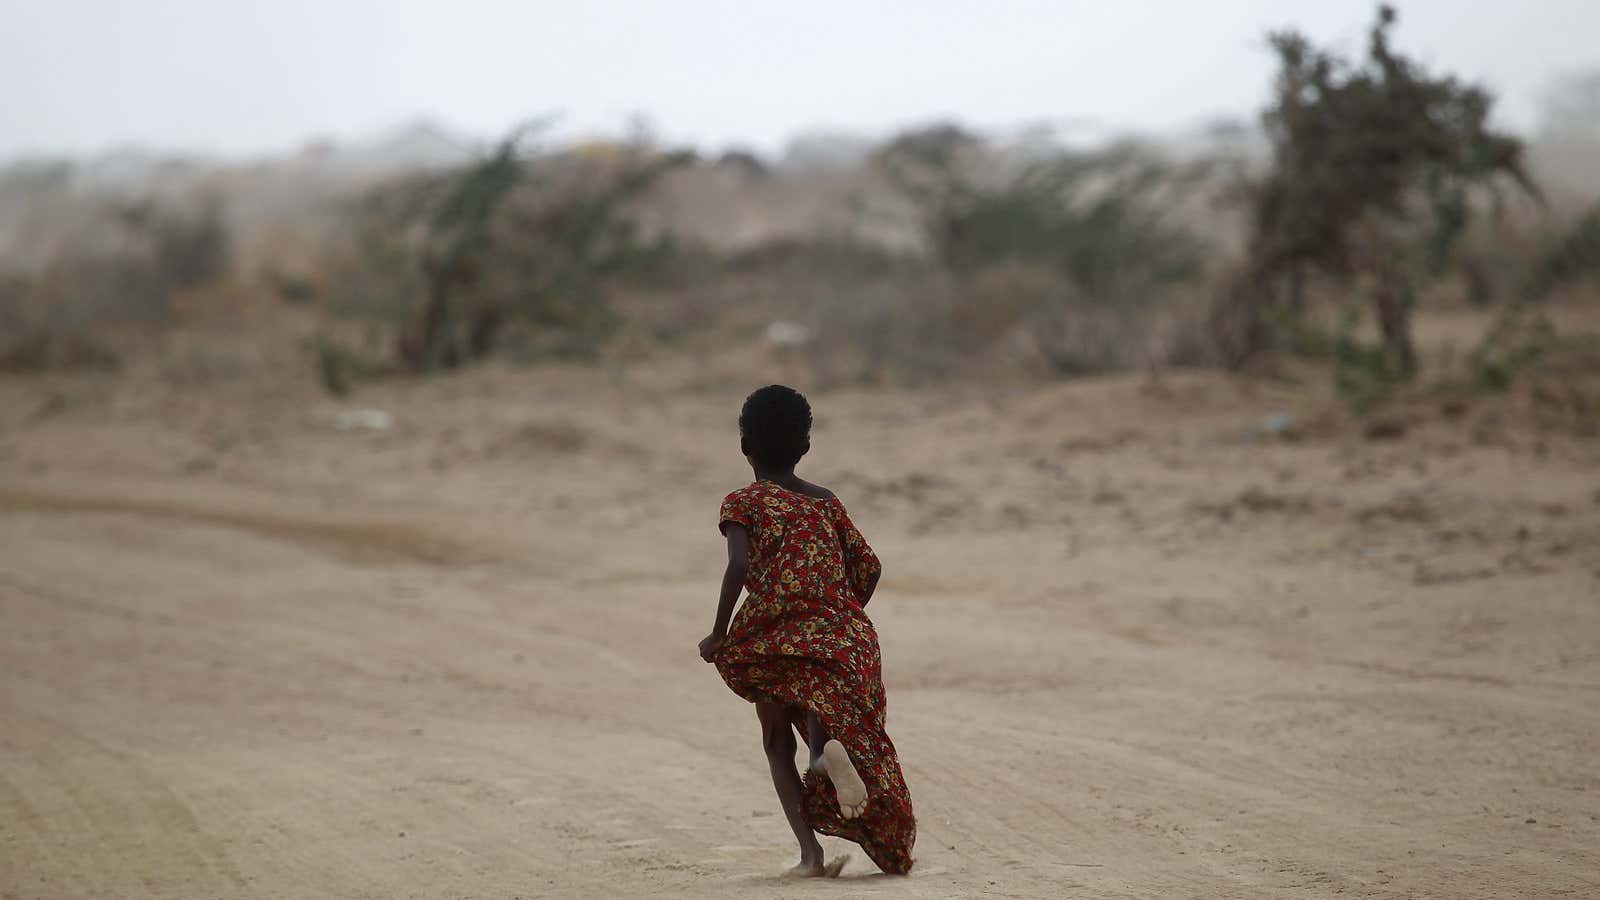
{"x": 775, "y": 426}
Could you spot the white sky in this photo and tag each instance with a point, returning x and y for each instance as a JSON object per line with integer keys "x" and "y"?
{"x": 246, "y": 77}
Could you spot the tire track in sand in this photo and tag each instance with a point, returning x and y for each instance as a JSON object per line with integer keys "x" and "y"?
{"x": 134, "y": 823}
{"x": 368, "y": 540}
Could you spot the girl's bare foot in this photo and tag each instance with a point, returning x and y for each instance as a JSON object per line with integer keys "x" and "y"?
{"x": 805, "y": 869}
{"x": 847, "y": 784}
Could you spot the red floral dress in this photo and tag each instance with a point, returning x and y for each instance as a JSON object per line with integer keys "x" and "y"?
{"x": 802, "y": 639}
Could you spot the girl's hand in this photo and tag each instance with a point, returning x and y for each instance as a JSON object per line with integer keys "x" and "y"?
{"x": 711, "y": 644}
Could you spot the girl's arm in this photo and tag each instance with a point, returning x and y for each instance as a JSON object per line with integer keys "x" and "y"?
{"x": 861, "y": 565}
{"x": 864, "y": 593}
{"x": 732, "y": 585}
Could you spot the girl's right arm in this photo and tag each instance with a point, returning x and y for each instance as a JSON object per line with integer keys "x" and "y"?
{"x": 732, "y": 585}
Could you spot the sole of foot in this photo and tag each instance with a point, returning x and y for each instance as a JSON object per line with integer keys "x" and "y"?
{"x": 847, "y": 784}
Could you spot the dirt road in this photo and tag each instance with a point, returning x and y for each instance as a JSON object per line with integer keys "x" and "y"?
{"x": 1132, "y": 649}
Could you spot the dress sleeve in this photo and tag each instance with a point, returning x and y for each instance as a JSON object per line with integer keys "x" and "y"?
{"x": 860, "y": 563}
{"x": 736, "y": 508}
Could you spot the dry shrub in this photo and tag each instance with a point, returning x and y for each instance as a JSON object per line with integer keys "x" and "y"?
{"x": 47, "y": 351}
{"x": 910, "y": 322}
{"x": 1569, "y": 257}
{"x": 518, "y": 245}
{"x": 1062, "y": 264}
{"x": 116, "y": 264}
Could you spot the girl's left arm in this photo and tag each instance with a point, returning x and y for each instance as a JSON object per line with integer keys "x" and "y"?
{"x": 862, "y": 567}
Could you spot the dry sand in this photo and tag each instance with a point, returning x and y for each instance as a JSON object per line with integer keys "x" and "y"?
{"x": 1130, "y": 651}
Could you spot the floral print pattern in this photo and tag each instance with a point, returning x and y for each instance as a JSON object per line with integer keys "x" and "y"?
{"x": 802, "y": 639}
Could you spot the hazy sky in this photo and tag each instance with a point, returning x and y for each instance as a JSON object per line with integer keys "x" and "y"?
{"x": 245, "y": 77}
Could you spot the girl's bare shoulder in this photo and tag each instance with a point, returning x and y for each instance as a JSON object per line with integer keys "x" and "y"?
{"x": 811, "y": 489}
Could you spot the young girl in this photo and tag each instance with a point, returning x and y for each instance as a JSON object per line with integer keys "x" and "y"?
{"x": 801, "y": 648}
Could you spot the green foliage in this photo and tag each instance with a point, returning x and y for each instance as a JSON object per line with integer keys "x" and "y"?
{"x": 568, "y": 242}
{"x": 1572, "y": 257}
{"x": 1519, "y": 338}
{"x": 1364, "y": 373}
{"x": 513, "y": 238}
{"x": 932, "y": 166}
{"x": 1102, "y": 221}
{"x": 1350, "y": 142}
{"x": 1373, "y": 170}
{"x": 1058, "y": 253}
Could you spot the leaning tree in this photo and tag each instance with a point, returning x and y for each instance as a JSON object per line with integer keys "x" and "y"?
{"x": 1375, "y": 170}
{"x": 515, "y": 236}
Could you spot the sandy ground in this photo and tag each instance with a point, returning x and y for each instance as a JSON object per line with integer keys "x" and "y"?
{"x": 1131, "y": 652}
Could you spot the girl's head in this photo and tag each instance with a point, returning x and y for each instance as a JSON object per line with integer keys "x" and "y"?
{"x": 775, "y": 428}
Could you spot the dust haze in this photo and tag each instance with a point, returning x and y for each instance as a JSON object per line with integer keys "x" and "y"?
{"x": 1229, "y": 433}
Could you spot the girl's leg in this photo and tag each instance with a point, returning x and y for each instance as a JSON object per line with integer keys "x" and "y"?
{"x": 816, "y": 739}
{"x": 777, "y": 737}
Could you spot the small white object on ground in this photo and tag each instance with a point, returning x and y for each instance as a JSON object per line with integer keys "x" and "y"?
{"x": 788, "y": 334}
{"x": 363, "y": 420}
